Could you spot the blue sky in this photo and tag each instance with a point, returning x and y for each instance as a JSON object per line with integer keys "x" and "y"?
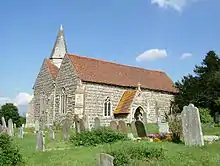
{"x": 151, "y": 34}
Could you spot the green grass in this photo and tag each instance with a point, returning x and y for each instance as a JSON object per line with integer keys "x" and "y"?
{"x": 175, "y": 154}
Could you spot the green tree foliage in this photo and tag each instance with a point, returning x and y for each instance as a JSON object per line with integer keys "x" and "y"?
{"x": 10, "y": 111}
{"x": 203, "y": 88}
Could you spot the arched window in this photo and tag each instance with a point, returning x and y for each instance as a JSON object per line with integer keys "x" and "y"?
{"x": 63, "y": 101}
{"x": 107, "y": 107}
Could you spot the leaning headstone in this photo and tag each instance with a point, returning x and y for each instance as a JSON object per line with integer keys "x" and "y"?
{"x": 163, "y": 128}
{"x": 97, "y": 123}
{"x": 40, "y": 141}
{"x": 191, "y": 124}
{"x": 82, "y": 125}
{"x": 114, "y": 125}
{"x": 141, "y": 132}
{"x": 4, "y": 123}
{"x": 10, "y": 128}
{"x": 122, "y": 127}
{"x": 66, "y": 127}
{"x": 21, "y": 132}
{"x": 105, "y": 159}
{"x": 37, "y": 126}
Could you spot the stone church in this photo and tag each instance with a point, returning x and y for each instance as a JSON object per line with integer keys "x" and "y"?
{"x": 69, "y": 84}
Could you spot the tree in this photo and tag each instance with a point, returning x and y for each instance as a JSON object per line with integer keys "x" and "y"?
{"x": 10, "y": 111}
{"x": 203, "y": 89}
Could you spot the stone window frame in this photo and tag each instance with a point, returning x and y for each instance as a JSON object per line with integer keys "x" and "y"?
{"x": 63, "y": 101}
{"x": 107, "y": 110}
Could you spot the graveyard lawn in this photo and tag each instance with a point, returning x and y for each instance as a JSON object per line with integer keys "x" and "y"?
{"x": 175, "y": 154}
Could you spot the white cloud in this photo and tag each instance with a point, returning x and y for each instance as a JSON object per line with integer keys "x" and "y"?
{"x": 21, "y": 99}
{"x": 175, "y": 4}
{"x": 152, "y": 54}
{"x": 185, "y": 55}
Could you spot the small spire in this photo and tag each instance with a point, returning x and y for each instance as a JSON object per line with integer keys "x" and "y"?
{"x": 61, "y": 27}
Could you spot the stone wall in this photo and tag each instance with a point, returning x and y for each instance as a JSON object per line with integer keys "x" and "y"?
{"x": 44, "y": 86}
{"x": 67, "y": 79}
{"x": 95, "y": 95}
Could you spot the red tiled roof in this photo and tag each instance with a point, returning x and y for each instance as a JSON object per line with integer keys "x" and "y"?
{"x": 99, "y": 71}
{"x": 52, "y": 68}
{"x": 125, "y": 102}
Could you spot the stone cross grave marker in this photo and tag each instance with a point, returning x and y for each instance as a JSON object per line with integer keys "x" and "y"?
{"x": 114, "y": 125}
{"x": 21, "y": 132}
{"x": 82, "y": 125}
{"x": 97, "y": 123}
{"x": 141, "y": 132}
{"x": 163, "y": 128}
{"x": 133, "y": 128}
{"x": 37, "y": 126}
{"x": 10, "y": 127}
{"x": 66, "y": 127}
{"x": 105, "y": 159}
{"x": 40, "y": 141}
{"x": 122, "y": 127}
{"x": 192, "y": 130}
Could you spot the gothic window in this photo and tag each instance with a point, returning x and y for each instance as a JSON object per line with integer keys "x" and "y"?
{"x": 63, "y": 101}
{"x": 107, "y": 107}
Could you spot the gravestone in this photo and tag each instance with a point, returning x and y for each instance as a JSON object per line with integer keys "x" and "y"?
{"x": 97, "y": 123}
{"x": 21, "y": 132}
{"x": 37, "y": 126}
{"x": 114, "y": 125}
{"x": 82, "y": 125}
{"x": 10, "y": 127}
{"x": 141, "y": 132}
{"x": 163, "y": 128}
{"x": 105, "y": 159}
{"x": 40, "y": 141}
{"x": 122, "y": 127}
{"x": 86, "y": 122}
{"x": 133, "y": 128}
{"x": 15, "y": 126}
{"x": 191, "y": 125}
{"x": 76, "y": 123}
{"x": 52, "y": 134}
{"x": 4, "y": 123}
{"x": 217, "y": 117}
{"x": 65, "y": 128}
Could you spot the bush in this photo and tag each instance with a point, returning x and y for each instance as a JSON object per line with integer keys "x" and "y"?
{"x": 9, "y": 153}
{"x": 96, "y": 136}
{"x": 131, "y": 152}
{"x": 205, "y": 116}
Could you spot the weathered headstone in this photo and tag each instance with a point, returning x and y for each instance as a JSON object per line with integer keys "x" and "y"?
{"x": 86, "y": 122}
{"x": 163, "y": 128}
{"x": 191, "y": 125}
{"x": 52, "y": 134}
{"x": 40, "y": 141}
{"x": 4, "y": 123}
{"x": 37, "y": 126}
{"x": 133, "y": 128}
{"x": 105, "y": 159}
{"x": 21, "y": 132}
{"x": 114, "y": 125}
{"x": 122, "y": 127}
{"x": 10, "y": 127}
{"x": 141, "y": 132}
{"x": 76, "y": 123}
{"x": 97, "y": 123}
{"x": 82, "y": 125}
{"x": 15, "y": 126}
{"x": 66, "y": 127}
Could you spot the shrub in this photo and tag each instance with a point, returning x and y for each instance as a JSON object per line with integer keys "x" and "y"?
{"x": 9, "y": 153}
{"x": 128, "y": 153}
{"x": 96, "y": 136}
{"x": 205, "y": 116}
